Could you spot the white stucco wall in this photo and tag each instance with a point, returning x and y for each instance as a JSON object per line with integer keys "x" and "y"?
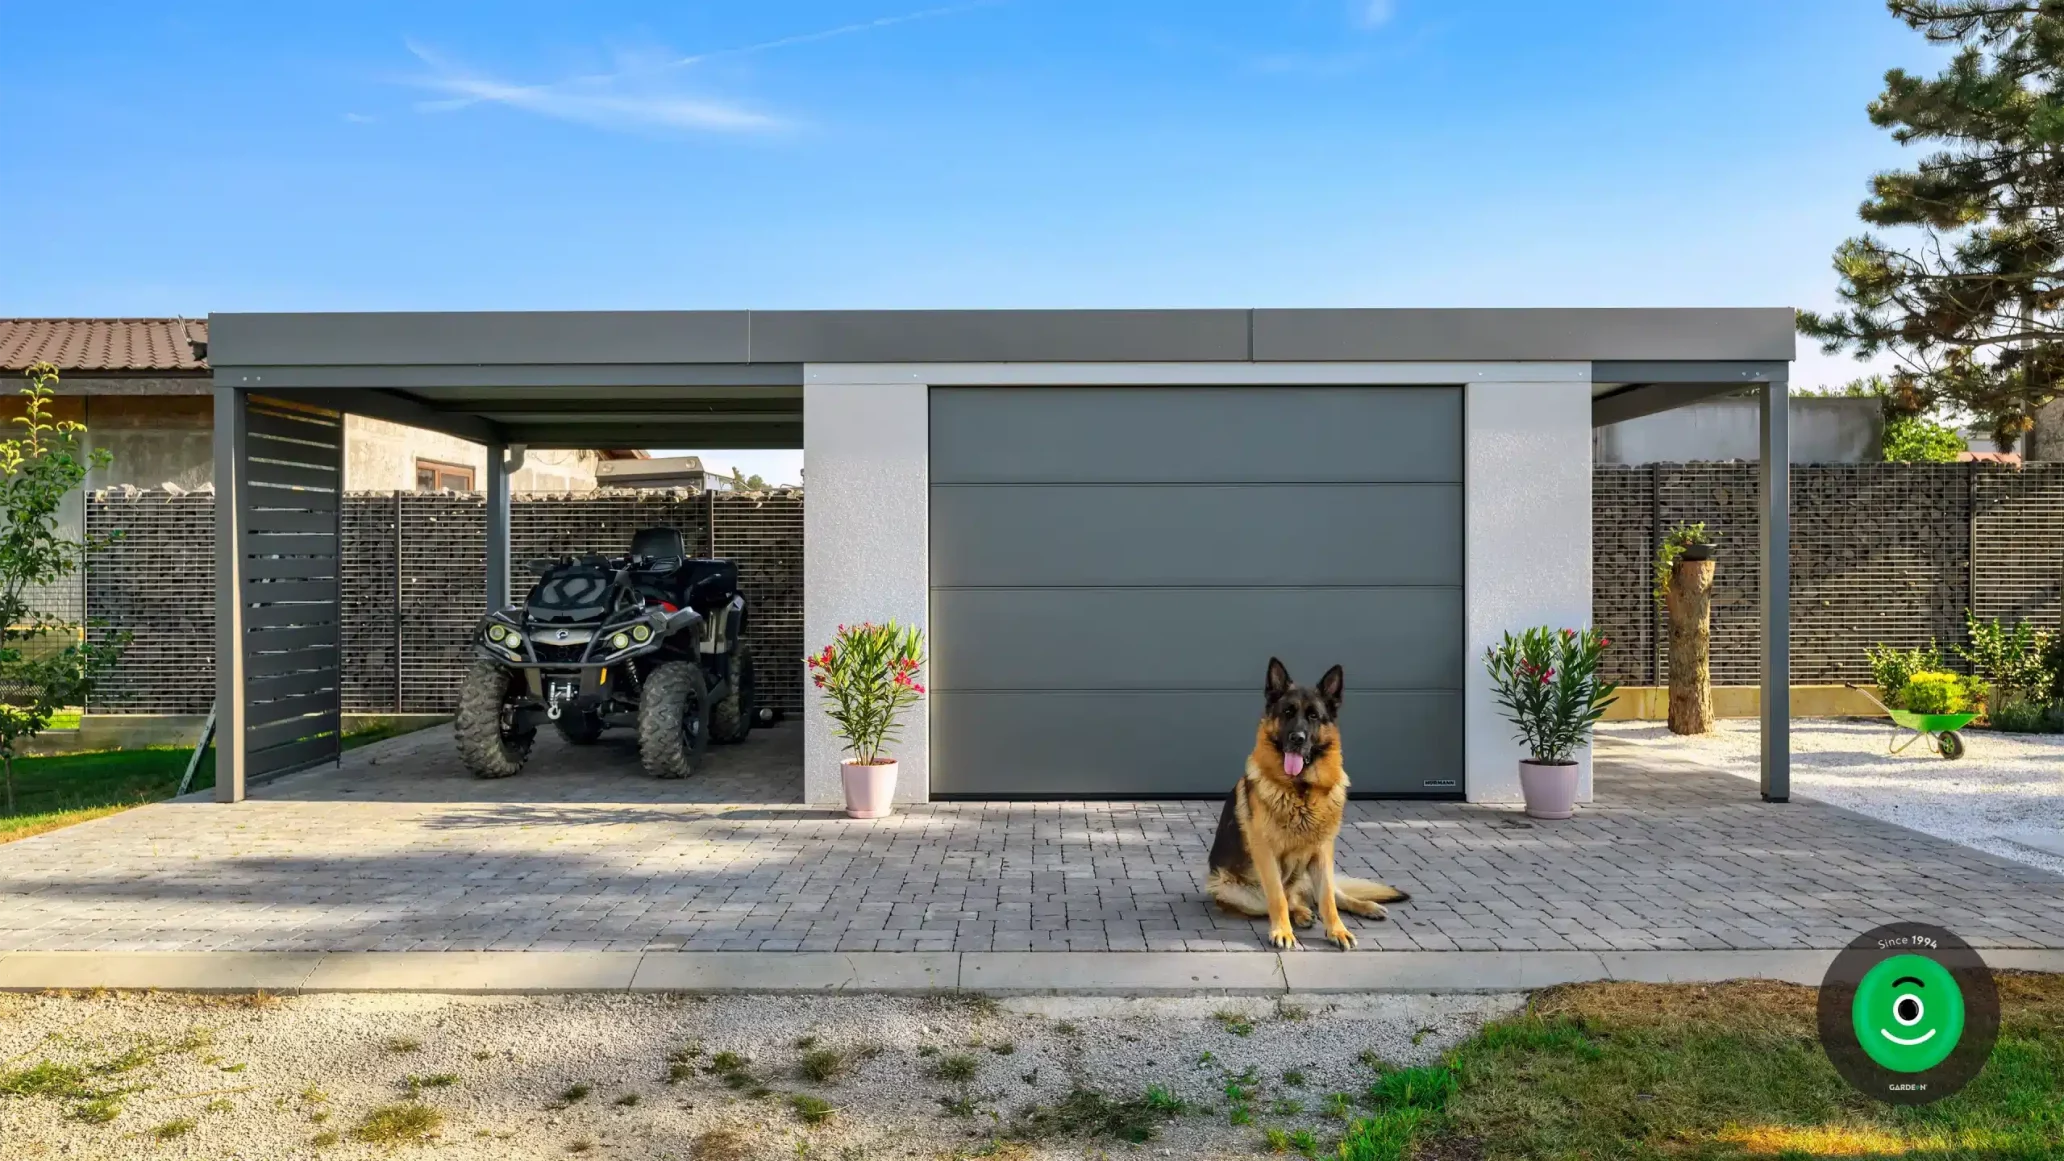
{"x": 1527, "y": 511}
{"x": 865, "y": 547}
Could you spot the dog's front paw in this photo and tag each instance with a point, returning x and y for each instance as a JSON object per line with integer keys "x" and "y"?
{"x": 1301, "y": 917}
{"x": 1282, "y": 939}
{"x": 1341, "y": 936}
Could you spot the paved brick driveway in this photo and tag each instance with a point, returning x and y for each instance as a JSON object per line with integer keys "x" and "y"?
{"x": 395, "y": 851}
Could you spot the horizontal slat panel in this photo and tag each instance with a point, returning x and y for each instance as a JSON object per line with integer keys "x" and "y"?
{"x": 293, "y": 475}
{"x": 288, "y": 685}
{"x": 290, "y": 544}
{"x": 1144, "y": 435}
{"x": 278, "y": 640}
{"x": 293, "y": 425}
{"x": 263, "y": 713}
{"x": 269, "y": 496}
{"x": 273, "y": 591}
{"x": 276, "y": 520}
{"x": 289, "y": 757}
{"x": 277, "y": 616}
{"x": 299, "y": 661}
{"x": 283, "y": 732}
{"x": 290, "y": 568}
{"x": 1241, "y": 535}
{"x": 1063, "y": 745}
{"x": 1194, "y": 638}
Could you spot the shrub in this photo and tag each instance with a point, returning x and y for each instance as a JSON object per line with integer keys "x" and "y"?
{"x": 2053, "y": 666}
{"x": 1671, "y": 551}
{"x": 869, "y": 675}
{"x": 1935, "y": 692}
{"x": 1912, "y": 439}
{"x": 1890, "y": 668}
{"x": 1548, "y": 684}
{"x": 2018, "y": 717}
{"x": 2010, "y": 660}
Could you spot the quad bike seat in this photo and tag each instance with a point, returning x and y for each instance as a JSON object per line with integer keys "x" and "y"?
{"x": 677, "y": 578}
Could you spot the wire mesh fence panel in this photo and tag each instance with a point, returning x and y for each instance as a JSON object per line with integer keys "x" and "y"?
{"x": 156, "y": 582}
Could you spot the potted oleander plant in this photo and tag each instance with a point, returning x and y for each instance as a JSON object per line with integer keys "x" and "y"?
{"x": 1547, "y": 680}
{"x": 870, "y": 675}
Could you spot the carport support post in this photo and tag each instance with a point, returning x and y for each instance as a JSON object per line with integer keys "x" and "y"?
{"x": 231, "y": 409}
{"x": 1776, "y": 469}
{"x": 497, "y": 527}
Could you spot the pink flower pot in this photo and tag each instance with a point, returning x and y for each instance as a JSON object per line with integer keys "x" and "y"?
{"x": 1551, "y": 791}
{"x": 870, "y": 789}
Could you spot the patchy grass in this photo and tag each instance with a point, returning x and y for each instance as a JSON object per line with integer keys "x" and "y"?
{"x": 400, "y": 1045}
{"x": 627, "y": 1100}
{"x": 730, "y": 1062}
{"x": 324, "y": 1139}
{"x": 174, "y": 1129}
{"x": 823, "y": 1065}
{"x": 1091, "y": 1114}
{"x": 811, "y": 1110}
{"x": 402, "y": 1124}
{"x": 1724, "y": 1071}
{"x": 575, "y": 1093}
{"x": 1234, "y": 1022}
{"x": 957, "y": 1069}
{"x": 416, "y": 1084}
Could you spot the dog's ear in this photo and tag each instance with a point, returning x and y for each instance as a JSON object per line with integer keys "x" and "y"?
{"x": 1330, "y": 687}
{"x": 1278, "y": 681}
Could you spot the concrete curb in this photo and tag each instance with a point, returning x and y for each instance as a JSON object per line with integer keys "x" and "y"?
{"x": 990, "y": 973}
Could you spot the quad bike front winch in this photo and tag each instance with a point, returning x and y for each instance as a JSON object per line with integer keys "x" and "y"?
{"x": 653, "y": 639}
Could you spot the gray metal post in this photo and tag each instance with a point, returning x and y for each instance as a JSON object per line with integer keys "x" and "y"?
{"x": 1776, "y": 469}
{"x": 230, "y": 502}
{"x": 497, "y": 527}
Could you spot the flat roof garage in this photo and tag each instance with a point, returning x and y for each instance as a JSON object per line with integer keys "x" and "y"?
{"x": 1107, "y": 521}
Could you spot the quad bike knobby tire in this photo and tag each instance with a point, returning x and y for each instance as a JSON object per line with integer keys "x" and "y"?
{"x": 579, "y": 728}
{"x": 673, "y": 720}
{"x": 732, "y": 719}
{"x": 489, "y": 744}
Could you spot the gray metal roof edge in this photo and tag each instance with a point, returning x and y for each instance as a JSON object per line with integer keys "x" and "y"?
{"x": 1558, "y": 334}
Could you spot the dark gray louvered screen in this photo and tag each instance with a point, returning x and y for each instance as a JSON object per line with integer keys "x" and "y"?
{"x": 293, "y": 475}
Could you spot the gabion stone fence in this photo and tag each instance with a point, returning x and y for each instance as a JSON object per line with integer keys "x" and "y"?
{"x": 1881, "y": 553}
{"x": 415, "y": 566}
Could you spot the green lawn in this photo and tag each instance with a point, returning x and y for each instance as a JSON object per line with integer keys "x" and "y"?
{"x": 60, "y": 790}
{"x": 1732, "y": 1071}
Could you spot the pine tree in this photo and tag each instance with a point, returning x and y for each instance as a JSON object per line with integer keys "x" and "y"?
{"x": 1973, "y": 308}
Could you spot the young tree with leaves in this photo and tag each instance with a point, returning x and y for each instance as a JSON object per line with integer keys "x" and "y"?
{"x": 1972, "y": 305}
{"x": 46, "y": 662}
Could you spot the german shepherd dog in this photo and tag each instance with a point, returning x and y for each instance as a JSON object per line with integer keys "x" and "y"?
{"x": 1273, "y": 854}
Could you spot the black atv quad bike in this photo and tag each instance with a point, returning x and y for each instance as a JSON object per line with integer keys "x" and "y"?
{"x": 652, "y": 639}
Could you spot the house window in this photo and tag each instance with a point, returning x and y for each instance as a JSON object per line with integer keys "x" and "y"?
{"x": 432, "y": 476}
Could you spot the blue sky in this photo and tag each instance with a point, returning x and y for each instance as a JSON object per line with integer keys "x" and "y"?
{"x": 865, "y": 153}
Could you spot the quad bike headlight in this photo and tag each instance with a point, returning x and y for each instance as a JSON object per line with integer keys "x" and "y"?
{"x": 495, "y": 633}
{"x": 620, "y": 641}
{"x": 641, "y": 633}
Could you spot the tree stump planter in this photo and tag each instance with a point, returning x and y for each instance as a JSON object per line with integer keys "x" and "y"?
{"x": 1689, "y": 601}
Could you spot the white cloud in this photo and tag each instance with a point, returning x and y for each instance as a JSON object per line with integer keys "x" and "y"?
{"x": 630, "y": 99}
{"x": 1374, "y": 13}
{"x": 641, "y": 93}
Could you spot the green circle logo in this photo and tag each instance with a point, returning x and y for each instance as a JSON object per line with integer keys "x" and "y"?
{"x": 1908, "y": 1013}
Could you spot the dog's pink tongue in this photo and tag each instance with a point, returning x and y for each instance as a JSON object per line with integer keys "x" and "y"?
{"x": 1293, "y": 764}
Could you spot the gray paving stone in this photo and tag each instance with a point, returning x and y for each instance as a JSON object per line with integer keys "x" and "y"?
{"x": 396, "y": 850}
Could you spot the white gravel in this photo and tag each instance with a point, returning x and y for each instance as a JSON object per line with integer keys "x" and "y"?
{"x": 267, "y": 1082}
{"x": 2005, "y": 796}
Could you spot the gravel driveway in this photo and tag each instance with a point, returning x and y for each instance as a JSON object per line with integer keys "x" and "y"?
{"x": 2005, "y": 796}
{"x": 558, "y": 1076}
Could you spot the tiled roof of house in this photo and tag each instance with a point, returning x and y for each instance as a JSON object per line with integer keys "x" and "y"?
{"x": 126, "y": 345}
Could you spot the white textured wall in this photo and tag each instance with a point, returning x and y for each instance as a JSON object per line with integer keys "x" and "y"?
{"x": 865, "y": 553}
{"x": 1527, "y": 454}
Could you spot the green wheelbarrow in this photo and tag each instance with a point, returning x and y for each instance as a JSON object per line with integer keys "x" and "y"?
{"x": 1938, "y": 730}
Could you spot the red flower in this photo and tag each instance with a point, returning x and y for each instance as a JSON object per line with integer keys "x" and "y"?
{"x": 1604, "y": 641}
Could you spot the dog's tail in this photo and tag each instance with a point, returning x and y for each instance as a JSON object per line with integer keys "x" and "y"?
{"x": 1368, "y": 891}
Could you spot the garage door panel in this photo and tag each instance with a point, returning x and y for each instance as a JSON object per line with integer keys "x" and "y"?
{"x": 1247, "y": 535}
{"x": 1068, "y": 639}
{"x": 1134, "y": 435}
{"x": 1088, "y": 745}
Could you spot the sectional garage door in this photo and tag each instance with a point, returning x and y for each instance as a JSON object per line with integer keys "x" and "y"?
{"x": 1112, "y": 568}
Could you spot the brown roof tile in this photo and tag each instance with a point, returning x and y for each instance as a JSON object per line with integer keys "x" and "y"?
{"x": 103, "y": 344}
